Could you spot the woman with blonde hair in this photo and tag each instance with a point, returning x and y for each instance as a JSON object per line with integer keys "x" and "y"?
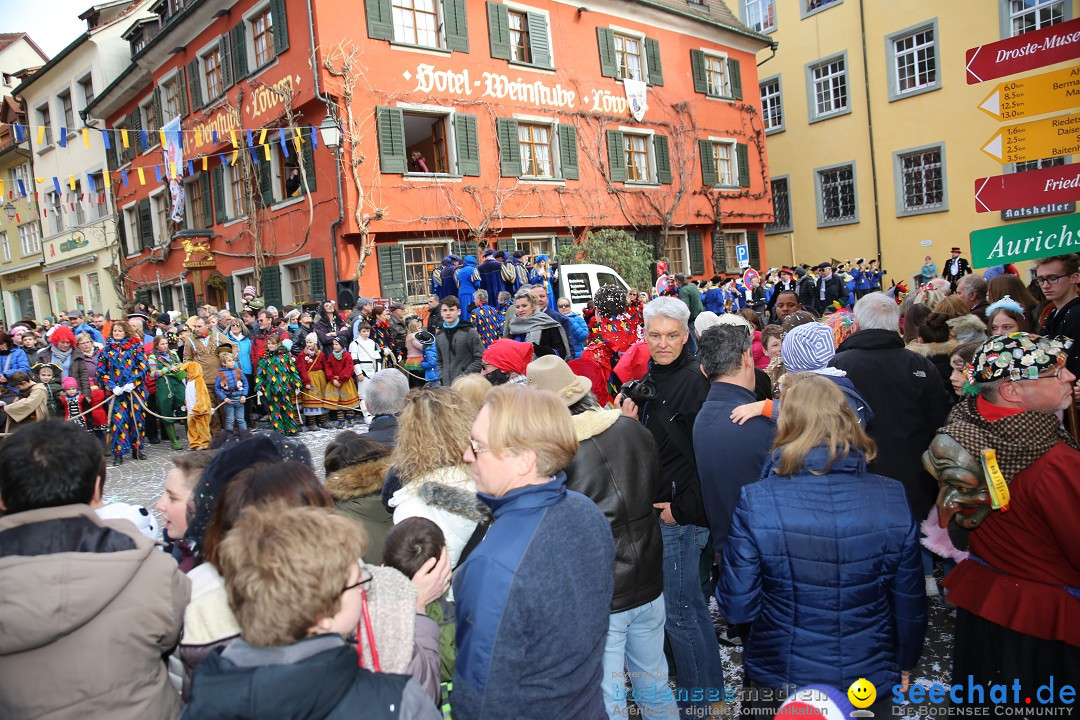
{"x": 435, "y": 482}
{"x": 531, "y": 324}
{"x": 473, "y": 389}
{"x": 823, "y": 557}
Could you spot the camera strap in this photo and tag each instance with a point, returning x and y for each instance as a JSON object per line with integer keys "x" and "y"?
{"x": 679, "y": 438}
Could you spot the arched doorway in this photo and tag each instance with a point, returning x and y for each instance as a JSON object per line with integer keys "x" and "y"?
{"x": 215, "y": 290}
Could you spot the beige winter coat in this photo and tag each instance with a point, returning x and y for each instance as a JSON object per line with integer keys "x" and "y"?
{"x": 89, "y": 608}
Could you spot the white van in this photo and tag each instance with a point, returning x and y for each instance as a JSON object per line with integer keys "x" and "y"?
{"x": 580, "y": 283}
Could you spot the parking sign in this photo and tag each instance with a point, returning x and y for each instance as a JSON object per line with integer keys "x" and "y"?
{"x": 742, "y": 254}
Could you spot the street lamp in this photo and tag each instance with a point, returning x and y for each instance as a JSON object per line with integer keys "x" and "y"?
{"x": 330, "y": 132}
{"x": 10, "y": 210}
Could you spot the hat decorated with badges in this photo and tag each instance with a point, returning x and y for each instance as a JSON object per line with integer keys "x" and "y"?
{"x": 1019, "y": 356}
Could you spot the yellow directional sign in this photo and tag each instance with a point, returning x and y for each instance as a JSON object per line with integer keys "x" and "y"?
{"x": 1052, "y": 137}
{"x": 1035, "y": 95}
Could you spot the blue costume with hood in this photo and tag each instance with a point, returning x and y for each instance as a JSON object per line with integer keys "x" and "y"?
{"x": 468, "y": 282}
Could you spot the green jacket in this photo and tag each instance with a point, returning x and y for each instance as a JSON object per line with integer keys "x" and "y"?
{"x": 690, "y": 295}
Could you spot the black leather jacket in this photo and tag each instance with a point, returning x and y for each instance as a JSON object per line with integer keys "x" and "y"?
{"x": 619, "y": 469}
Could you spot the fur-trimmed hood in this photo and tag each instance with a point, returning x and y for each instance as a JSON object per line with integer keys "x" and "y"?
{"x": 593, "y": 422}
{"x": 357, "y": 480}
{"x": 447, "y": 488}
{"x": 929, "y": 350}
{"x": 967, "y": 328}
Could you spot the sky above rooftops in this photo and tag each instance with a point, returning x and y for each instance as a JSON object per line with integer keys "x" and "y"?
{"x": 52, "y": 24}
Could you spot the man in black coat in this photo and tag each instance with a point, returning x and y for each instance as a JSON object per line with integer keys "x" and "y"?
{"x": 955, "y": 268}
{"x": 905, "y": 391}
{"x": 830, "y": 288}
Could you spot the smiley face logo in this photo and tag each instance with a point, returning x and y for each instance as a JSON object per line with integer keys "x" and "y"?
{"x": 862, "y": 693}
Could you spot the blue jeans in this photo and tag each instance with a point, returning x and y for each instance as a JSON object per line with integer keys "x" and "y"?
{"x": 234, "y": 415}
{"x": 689, "y": 627}
{"x": 635, "y": 641}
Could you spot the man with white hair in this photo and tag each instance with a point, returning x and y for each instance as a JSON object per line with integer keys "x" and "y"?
{"x": 972, "y": 290}
{"x": 908, "y": 399}
{"x": 680, "y": 390}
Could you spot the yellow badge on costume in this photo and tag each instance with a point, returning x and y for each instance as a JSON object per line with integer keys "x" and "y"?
{"x": 995, "y": 480}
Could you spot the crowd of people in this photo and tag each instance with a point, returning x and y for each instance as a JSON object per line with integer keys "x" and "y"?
{"x": 538, "y": 526}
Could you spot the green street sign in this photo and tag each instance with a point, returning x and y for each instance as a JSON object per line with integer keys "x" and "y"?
{"x": 1058, "y": 235}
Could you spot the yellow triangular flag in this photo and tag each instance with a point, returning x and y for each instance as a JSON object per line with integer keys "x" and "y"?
{"x": 71, "y": 182}
{"x": 232, "y": 134}
{"x": 236, "y": 154}
{"x": 297, "y": 141}
{"x": 198, "y": 137}
{"x": 161, "y": 134}
{"x": 2, "y": 189}
{"x": 174, "y": 173}
{"x": 262, "y": 136}
{"x": 124, "y": 138}
{"x": 204, "y": 159}
{"x": 142, "y": 177}
{"x": 86, "y": 137}
{"x": 107, "y": 179}
{"x": 266, "y": 149}
{"x": 41, "y": 135}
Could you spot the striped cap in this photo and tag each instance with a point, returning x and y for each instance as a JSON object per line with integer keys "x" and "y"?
{"x": 808, "y": 347}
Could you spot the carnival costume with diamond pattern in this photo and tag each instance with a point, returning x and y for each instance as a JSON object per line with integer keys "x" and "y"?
{"x": 277, "y": 380}
{"x": 120, "y": 363}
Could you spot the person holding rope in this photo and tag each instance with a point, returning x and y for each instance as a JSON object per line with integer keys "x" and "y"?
{"x": 122, "y": 369}
{"x": 278, "y": 382}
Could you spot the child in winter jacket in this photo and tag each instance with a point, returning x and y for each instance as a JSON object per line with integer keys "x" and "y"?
{"x": 367, "y": 359}
{"x": 74, "y": 403}
{"x": 339, "y": 395}
{"x": 49, "y": 377}
{"x": 231, "y": 387}
{"x": 430, "y": 363}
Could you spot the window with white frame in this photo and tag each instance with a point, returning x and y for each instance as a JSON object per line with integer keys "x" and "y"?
{"x": 67, "y": 111}
{"x": 809, "y": 7}
{"x": 6, "y": 245}
{"x": 213, "y": 73}
{"x": 76, "y": 198}
{"x": 518, "y": 22}
{"x": 44, "y": 119}
{"x": 920, "y": 176}
{"x": 913, "y": 61}
{"x": 193, "y": 202}
{"x": 727, "y": 171}
{"x": 837, "y": 203}
{"x": 772, "y": 110}
{"x": 235, "y": 189}
{"x": 262, "y": 35}
{"x": 299, "y": 282}
{"x": 675, "y": 250}
{"x": 242, "y": 280}
{"x": 86, "y": 90}
{"x": 54, "y": 205}
{"x": 732, "y": 240}
{"x": 760, "y": 15}
{"x": 716, "y": 76}
{"x": 828, "y": 88}
{"x": 170, "y": 97}
{"x": 98, "y": 197}
{"x": 427, "y": 138}
{"x": 93, "y": 286}
{"x": 29, "y": 239}
{"x": 533, "y": 246}
{"x": 160, "y": 219}
{"x": 416, "y": 22}
{"x": 131, "y": 230}
{"x": 535, "y": 144}
{"x": 1025, "y": 16}
{"x": 781, "y": 199}
{"x": 420, "y": 261}
{"x": 17, "y": 173}
{"x": 149, "y": 124}
{"x": 629, "y": 51}
{"x": 638, "y": 167}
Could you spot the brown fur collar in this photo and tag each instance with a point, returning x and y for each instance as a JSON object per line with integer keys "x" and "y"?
{"x": 357, "y": 480}
{"x": 934, "y": 349}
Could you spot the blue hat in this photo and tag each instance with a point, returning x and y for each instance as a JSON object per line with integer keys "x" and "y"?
{"x": 454, "y": 258}
{"x": 500, "y": 255}
{"x": 448, "y": 260}
{"x": 808, "y": 347}
{"x": 487, "y": 253}
{"x": 470, "y": 259}
{"x": 541, "y": 258}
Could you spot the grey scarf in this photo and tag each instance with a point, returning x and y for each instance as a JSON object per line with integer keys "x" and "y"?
{"x": 531, "y": 327}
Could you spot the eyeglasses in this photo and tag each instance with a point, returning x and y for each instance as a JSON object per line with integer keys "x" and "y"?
{"x": 477, "y": 448}
{"x": 1049, "y": 279}
{"x": 360, "y": 583}
{"x": 563, "y": 305}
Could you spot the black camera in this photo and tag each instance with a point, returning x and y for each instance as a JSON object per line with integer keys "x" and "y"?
{"x": 640, "y": 391}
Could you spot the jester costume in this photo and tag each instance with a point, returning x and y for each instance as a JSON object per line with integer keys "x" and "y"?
{"x": 278, "y": 382}
{"x": 488, "y": 323}
{"x": 613, "y": 330}
{"x": 165, "y": 369}
{"x": 544, "y": 274}
{"x": 123, "y": 363}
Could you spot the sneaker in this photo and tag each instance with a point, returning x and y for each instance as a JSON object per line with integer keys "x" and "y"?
{"x": 931, "y": 586}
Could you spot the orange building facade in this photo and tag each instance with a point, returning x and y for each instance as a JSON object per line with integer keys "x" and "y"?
{"x": 464, "y": 125}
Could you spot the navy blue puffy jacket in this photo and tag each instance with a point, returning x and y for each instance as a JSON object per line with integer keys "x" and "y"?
{"x": 826, "y": 567}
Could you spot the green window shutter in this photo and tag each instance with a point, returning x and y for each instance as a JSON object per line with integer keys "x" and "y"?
{"x": 752, "y": 246}
{"x": 194, "y": 86}
{"x": 181, "y": 89}
{"x": 719, "y": 252}
{"x": 121, "y": 231}
{"x": 166, "y": 299}
{"x": 463, "y": 248}
{"x": 380, "y": 20}
{"x": 391, "y": 271}
{"x": 652, "y": 59}
{"x": 218, "y": 183}
{"x": 157, "y": 110}
{"x": 538, "y": 39}
{"x": 708, "y": 164}
{"x": 697, "y": 252}
{"x": 508, "y": 246}
{"x": 266, "y": 183}
{"x": 390, "y": 127}
{"x": 230, "y": 294}
{"x": 616, "y": 154}
{"x": 271, "y": 285}
{"x": 506, "y": 130}
{"x": 742, "y": 159}
{"x": 663, "y": 159}
{"x": 280, "y": 26}
{"x": 146, "y": 224}
{"x": 456, "y": 25}
{"x": 564, "y": 248}
{"x": 735, "y": 78}
{"x": 208, "y": 210}
{"x": 605, "y": 39}
{"x": 468, "y": 144}
{"x": 498, "y": 30}
{"x": 317, "y": 278}
{"x": 697, "y": 70}
{"x": 309, "y": 164}
{"x": 189, "y": 299}
{"x": 134, "y": 124}
{"x": 143, "y": 296}
{"x": 239, "y": 52}
{"x": 226, "y": 63}
{"x": 568, "y": 151}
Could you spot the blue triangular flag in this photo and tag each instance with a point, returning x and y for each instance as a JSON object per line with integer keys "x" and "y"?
{"x": 145, "y": 139}
{"x": 123, "y": 177}
{"x": 250, "y": 140}
{"x": 63, "y": 137}
{"x": 190, "y": 168}
{"x": 18, "y": 133}
{"x": 22, "y": 188}
{"x": 180, "y": 139}
{"x": 56, "y": 186}
{"x": 213, "y": 135}
{"x": 90, "y": 182}
{"x": 314, "y": 137}
{"x": 281, "y": 139}
{"x": 108, "y": 141}
{"x": 157, "y": 173}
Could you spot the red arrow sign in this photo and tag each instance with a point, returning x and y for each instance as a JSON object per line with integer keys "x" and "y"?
{"x": 1036, "y": 187}
{"x": 1054, "y": 44}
